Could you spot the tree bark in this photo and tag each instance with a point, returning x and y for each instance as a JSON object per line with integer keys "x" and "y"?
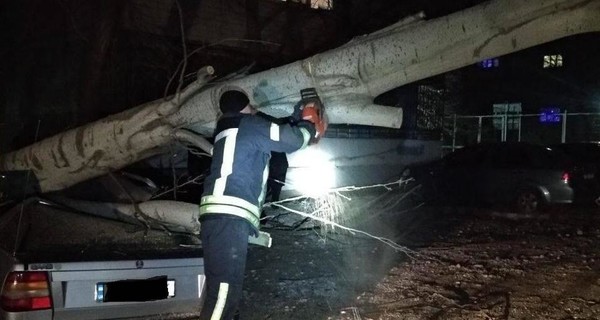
{"x": 347, "y": 78}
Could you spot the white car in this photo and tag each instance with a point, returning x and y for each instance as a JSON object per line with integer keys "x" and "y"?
{"x": 58, "y": 264}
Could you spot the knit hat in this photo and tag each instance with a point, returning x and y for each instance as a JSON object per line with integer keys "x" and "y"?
{"x": 233, "y": 101}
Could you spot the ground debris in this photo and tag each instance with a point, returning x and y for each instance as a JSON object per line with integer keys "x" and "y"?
{"x": 470, "y": 265}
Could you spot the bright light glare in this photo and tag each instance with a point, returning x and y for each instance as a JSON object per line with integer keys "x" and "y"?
{"x": 314, "y": 174}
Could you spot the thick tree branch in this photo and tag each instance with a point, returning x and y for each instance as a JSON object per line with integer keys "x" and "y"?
{"x": 347, "y": 78}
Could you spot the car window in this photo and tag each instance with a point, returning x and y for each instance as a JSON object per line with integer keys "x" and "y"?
{"x": 524, "y": 156}
{"x": 509, "y": 157}
{"x": 547, "y": 158}
{"x": 465, "y": 157}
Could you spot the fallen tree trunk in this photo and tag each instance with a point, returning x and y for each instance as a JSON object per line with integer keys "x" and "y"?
{"x": 171, "y": 216}
{"x": 347, "y": 78}
{"x": 175, "y": 216}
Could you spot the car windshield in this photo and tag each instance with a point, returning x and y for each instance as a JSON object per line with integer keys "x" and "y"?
{"x": 36, "y": 232}
{"x": 543, "y": 157}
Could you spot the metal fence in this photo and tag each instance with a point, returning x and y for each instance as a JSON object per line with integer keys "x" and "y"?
{"x": 462, "y": 130}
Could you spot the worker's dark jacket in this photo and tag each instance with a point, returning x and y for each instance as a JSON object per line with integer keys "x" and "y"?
{"x": 243, "y": 143}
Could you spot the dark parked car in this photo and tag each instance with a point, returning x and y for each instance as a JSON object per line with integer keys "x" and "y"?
{"x": 586, "y": 158}
{"x": 526, "y": 176}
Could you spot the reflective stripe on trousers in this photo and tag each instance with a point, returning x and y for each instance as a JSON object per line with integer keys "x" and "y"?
{"x": 225, "y": 246}
{"x": 221, "y": 299}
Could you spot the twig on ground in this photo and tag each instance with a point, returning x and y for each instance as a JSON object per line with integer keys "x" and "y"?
{"x": 588, "y": 302}
{"x": 387, "y": 241}
{"x": 324, "y": 208}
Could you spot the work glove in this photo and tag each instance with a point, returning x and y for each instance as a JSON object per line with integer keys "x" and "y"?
{"x": 297, "y": 113}
{"x": 309, "y": 126}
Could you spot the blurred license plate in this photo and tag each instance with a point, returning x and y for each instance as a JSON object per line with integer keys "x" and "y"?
{"x": 588, "y": 176}
{"x": 135, "y": 290}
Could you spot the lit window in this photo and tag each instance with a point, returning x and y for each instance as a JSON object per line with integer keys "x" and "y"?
{"x": 550, "y": 115}
{"x": 553, "y": 61}
{"x": 490, "y": 63}
{"x": 315, "y": 4}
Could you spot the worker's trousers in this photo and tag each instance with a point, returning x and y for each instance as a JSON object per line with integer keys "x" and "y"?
{"x": 225, "y": 246}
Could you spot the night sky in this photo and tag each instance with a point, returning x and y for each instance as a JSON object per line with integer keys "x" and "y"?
{"x": 65, "y": 63}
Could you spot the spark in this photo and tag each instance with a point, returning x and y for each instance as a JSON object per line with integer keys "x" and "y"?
{"x": 328, "y": 209}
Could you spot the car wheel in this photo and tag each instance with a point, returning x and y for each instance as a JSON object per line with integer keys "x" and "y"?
{"x": 528, "y": 201}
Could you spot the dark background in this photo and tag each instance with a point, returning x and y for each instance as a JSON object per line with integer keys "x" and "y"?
{"x": 64, "y": 63}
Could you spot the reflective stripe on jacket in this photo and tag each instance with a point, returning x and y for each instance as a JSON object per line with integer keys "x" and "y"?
{"x": 242, "y": 148}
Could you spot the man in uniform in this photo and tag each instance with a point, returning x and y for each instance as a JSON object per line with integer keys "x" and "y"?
{"x": 234, "y": 192}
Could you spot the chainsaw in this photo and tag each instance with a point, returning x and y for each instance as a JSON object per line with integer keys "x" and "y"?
{"x": 313, "y": 110}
